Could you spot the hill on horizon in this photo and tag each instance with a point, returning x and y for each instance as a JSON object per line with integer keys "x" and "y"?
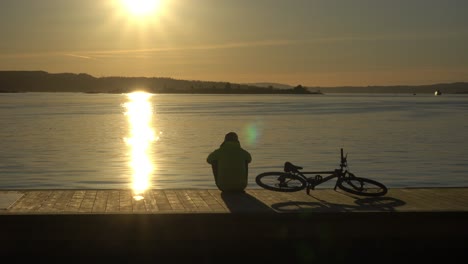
{"x": 41, "y": 81}
{"x": 274, "y": 85}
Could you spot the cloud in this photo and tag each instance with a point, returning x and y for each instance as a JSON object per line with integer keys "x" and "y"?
{"x": 200, "y": 47}
{"x": 92, "y": 54}
{"x": 147, "y": 52}
{"x": 80, "y": 56}
{"x": 390, "y": 37}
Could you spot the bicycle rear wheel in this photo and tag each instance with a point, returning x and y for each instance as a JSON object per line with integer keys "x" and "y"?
{"x": 362, "y": 186}
{"x": 280, "y": 182}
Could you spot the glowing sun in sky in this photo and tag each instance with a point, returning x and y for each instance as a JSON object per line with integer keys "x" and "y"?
{"x": 141, "y": 8}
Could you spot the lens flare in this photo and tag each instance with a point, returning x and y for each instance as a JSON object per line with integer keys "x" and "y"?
{"x": 253, "y": 132}
{"x": 139, "y": 113}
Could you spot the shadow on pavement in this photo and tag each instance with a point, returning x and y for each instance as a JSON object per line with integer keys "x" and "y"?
{"x": 378, "y": 204}
{"x": 244, "y": 202}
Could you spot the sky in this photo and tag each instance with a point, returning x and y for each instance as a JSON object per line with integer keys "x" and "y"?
{"x": 308, "y": 42}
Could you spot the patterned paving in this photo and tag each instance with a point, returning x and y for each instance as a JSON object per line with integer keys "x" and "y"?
{"x": 213, "y": 201}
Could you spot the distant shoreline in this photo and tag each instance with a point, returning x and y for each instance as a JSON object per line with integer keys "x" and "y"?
{"x": 91, "y": 92}
{"x": 41, "y": 81}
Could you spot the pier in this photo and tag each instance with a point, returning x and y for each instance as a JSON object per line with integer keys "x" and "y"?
{"x": 426, "y": 223}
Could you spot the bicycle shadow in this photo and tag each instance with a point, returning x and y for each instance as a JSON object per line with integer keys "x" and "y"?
{"x": 376, "y": 204}
{"x": 244, "y": 202}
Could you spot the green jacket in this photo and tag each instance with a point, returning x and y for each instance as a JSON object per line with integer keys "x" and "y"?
{"x": 230, "y": 166}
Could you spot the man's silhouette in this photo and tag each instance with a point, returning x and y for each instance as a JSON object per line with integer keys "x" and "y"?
{"x": 230, "y": 164}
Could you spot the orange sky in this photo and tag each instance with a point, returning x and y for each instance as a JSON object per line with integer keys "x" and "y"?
{"x": 313, "y": 43}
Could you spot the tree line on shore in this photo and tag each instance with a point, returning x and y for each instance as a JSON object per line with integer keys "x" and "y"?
{"x": 41, "y": 81}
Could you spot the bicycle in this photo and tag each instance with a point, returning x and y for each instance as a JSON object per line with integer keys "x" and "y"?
{"x": 293, "y": 180}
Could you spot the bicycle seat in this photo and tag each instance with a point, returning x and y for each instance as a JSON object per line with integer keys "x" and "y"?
{"x": 289, "y": 167}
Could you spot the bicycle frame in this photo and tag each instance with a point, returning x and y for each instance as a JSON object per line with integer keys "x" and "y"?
{"x": 312, "y": 182}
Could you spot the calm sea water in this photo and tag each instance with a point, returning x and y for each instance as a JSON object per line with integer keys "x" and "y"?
{"x": 104, "y": 141}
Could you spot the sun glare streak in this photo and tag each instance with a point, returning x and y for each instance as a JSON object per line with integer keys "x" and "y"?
{"x": 140, "y": 11}
{"x": 139, "y": 113}
{"x": 141, "y": 7}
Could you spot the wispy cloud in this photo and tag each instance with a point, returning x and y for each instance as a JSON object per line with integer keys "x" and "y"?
{"x": 80, "y": 56}
{"x": 148, "y": 52}
{"x": 390, "y": 37}
{"x": 194, "y": 48}
{"x": 28, "y": 55}
{"x": 94, "y": 54}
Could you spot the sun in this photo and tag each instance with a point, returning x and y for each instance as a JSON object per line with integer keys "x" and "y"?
{"x": 141, "y": 8}
{"x": 141, "y": 15}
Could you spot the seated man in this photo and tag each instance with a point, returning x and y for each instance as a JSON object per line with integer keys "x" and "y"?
{"x": 230, "y": 164}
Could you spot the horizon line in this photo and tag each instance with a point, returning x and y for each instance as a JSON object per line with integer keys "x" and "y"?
{"x": 248, "y": 83}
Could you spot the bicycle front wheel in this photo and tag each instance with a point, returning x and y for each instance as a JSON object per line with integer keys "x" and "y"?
{"x": 362, "y": 186}
{"x": 280, "y": 182}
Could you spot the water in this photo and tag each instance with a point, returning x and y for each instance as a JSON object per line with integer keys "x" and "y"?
{"x": 74, "y": 140}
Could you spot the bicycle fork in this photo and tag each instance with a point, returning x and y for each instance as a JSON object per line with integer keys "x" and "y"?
{"x": 339, "y": 175}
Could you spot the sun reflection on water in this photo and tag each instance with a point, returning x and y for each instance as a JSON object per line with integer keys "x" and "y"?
{"x": 139, "y": 113}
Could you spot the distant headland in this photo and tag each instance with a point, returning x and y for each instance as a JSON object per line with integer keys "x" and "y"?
{"x": 41, "y": 81}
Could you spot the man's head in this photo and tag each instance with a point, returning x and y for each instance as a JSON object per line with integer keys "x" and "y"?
{"x": 231, "y": 136}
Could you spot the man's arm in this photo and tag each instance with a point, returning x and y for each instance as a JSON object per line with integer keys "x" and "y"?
{"x": 211, "y": 157}
{"x": 247, "y": 161}
{"x": 214, "y": 167}
{"x": 249, "y": 157}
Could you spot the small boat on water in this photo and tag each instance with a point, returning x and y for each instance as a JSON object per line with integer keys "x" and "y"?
{"x": 437, "y": 92}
